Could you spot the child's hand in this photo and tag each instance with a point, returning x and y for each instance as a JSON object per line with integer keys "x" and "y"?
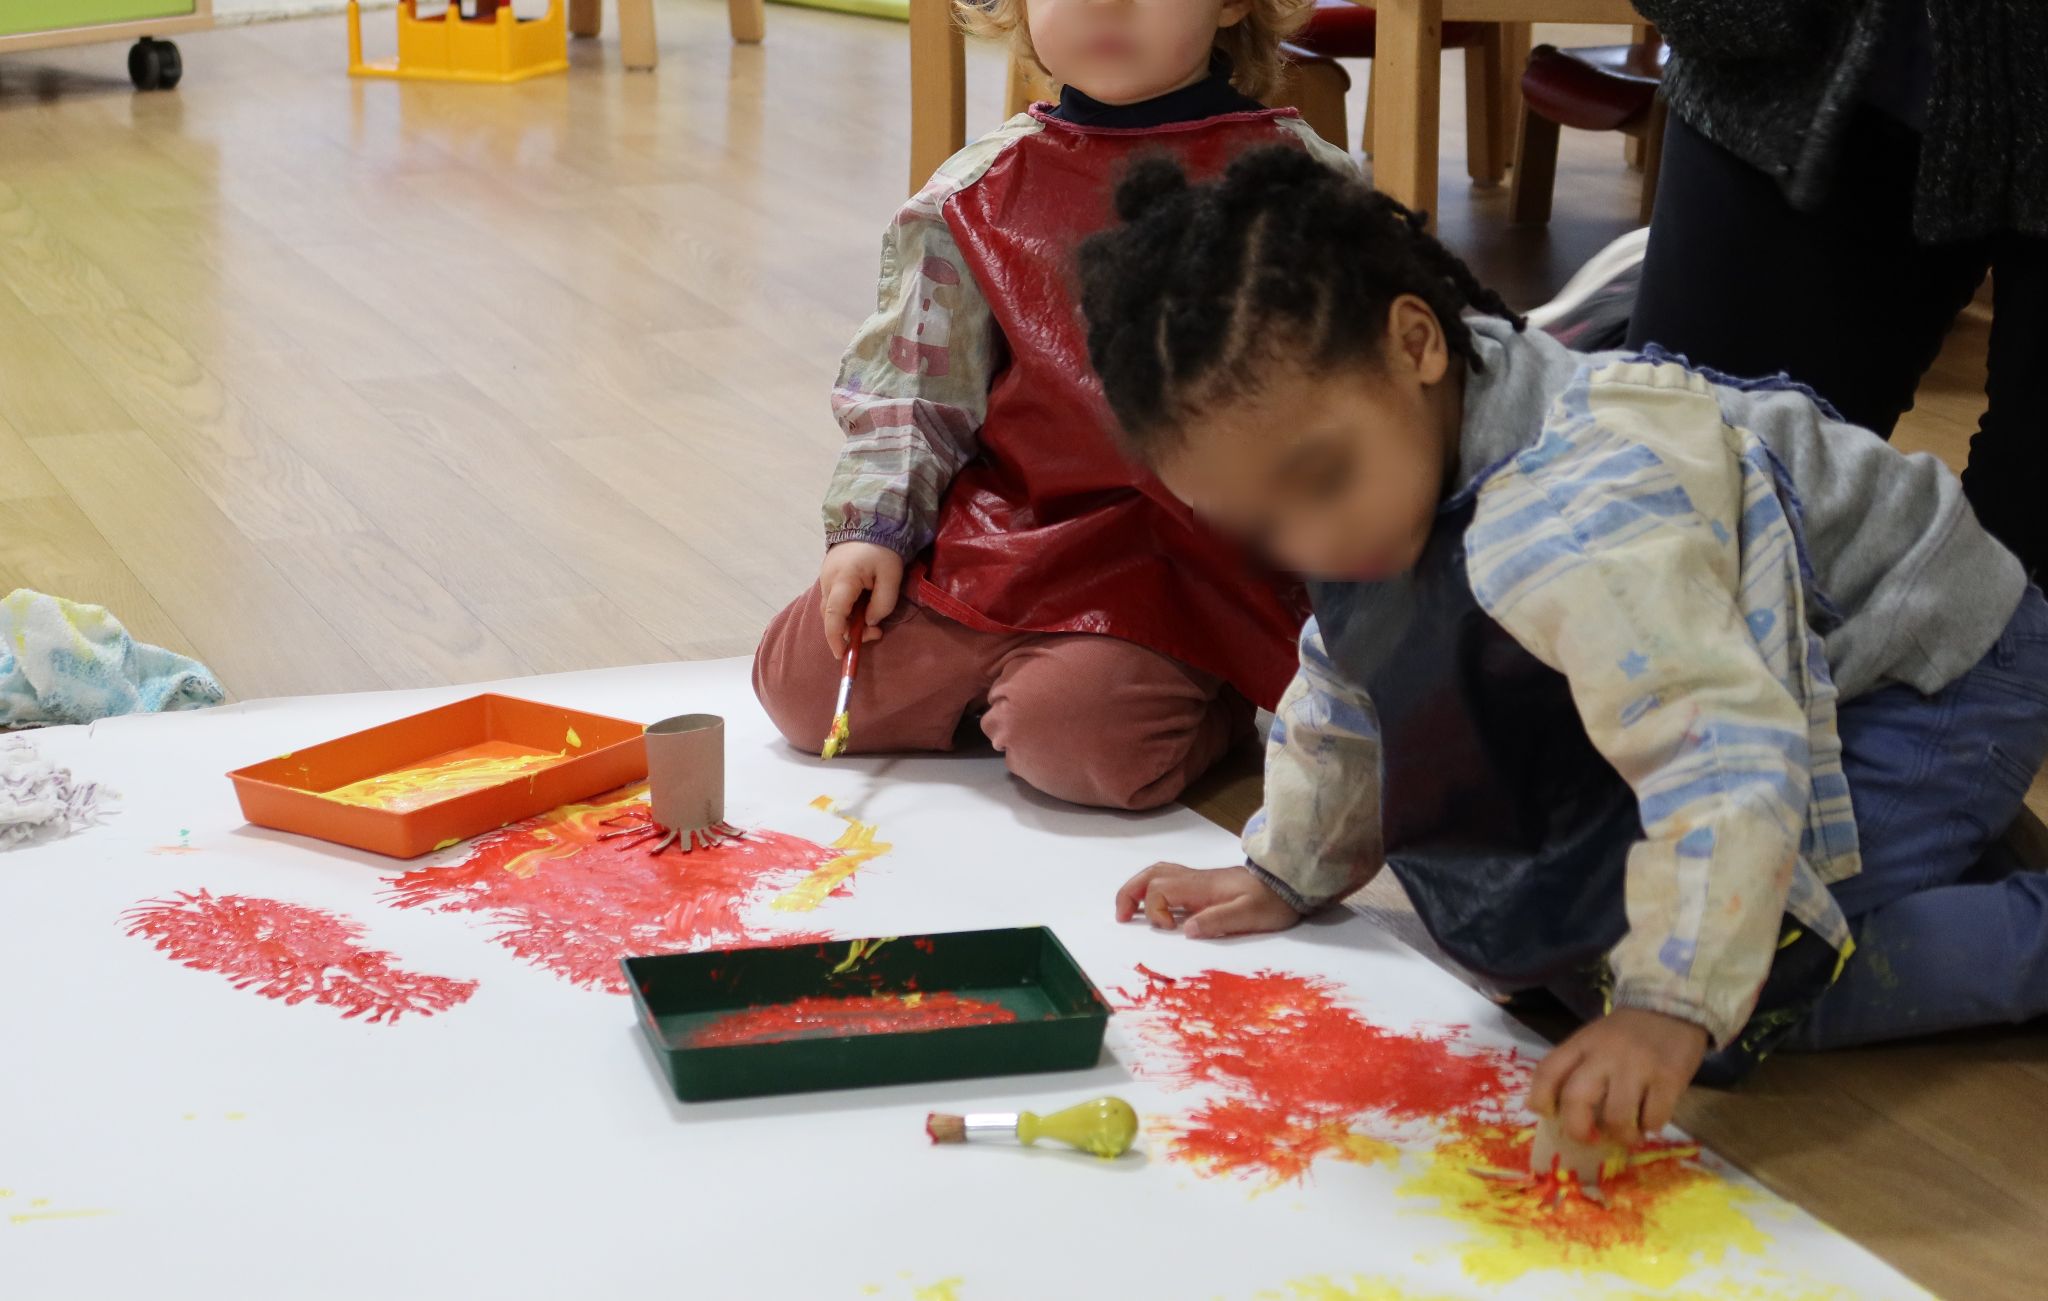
{"x": 1622, "y": 1075}
{"x": 850, "y": 569}
{"x": 1213, "y": 902}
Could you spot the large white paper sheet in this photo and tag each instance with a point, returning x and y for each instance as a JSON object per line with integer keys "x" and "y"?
{"x": 165, "y": 1134}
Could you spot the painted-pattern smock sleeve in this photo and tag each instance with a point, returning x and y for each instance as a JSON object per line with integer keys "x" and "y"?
{"x": 1318, "y": 836}
{"x": 913, "y": 387}
{"x": 1644, "y": 547}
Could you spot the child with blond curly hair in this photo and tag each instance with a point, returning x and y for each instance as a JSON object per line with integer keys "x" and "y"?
{"x": 1016, "y": 571}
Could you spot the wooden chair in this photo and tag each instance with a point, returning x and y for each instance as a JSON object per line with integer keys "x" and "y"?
{"x": 1316, "y": 86}
{"x": 636, "y": 26}
{"x": 1600, "y": 88}
{"x": 1339, "y": 29}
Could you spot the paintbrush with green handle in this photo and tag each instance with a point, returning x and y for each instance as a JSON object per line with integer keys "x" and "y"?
{"x": 842, "y": 726}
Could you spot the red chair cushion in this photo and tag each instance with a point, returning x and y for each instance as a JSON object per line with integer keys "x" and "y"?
{"x": 1338, "y": 29}
{"x": 1600, "y": 88}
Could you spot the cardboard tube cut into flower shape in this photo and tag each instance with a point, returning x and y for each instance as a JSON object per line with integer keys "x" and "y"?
{"x": 686, "y": 778}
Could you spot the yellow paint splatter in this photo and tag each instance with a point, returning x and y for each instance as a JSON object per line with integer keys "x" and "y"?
{"x": 857, "y": 847}
{"x": 1664, "y": 1220}
{"x": 449, "y": 843}
{"x": 29, "y": 1217}
{"x": 822, "y": 804}
{"x": 946, "y": 1289}
{"x": 40, "y": 1201}
{"x": 238, "y": 1115}
{"x": 858, "y": 952}
{"x": 191, "y": 1115}
{"x": 575, "y": 741}
{"x": 414, "y": 788}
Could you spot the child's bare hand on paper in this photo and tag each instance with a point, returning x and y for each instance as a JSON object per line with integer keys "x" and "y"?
{"x": 1206, "y": 903}
{"x": 850, "y": 569}
{"x": 1621, "y": 1075}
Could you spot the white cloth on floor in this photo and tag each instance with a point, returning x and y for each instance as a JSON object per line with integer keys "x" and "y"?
{"x": 39, "y": 801}
{"x": 61, "y": 662}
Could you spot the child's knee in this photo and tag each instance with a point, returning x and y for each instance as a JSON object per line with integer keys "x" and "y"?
{"x": 1071, "y": 760}
{"x": 1095, "y": 750}
{"x": 794, "y": 679}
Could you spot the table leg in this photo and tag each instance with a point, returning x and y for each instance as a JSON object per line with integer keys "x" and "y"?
{"x": 938, "y": 88}
{"x": 749, "y": 19}
{"x": 586, "y": 18}
{"x": 1408, "y": 75}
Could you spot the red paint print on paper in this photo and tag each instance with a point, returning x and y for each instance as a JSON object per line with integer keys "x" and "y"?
{"x": 292, "y": 953}
{"x": 568, "y": 901}
{"x": 1303, "y": 1074}
{"x": 834, "y": 1018}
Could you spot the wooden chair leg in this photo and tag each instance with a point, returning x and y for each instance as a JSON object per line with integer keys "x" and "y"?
{"x": 1535, "y": 170}
{"x": 749, "y": 19}
{"x": 1653, "y": 157}
{"x": 1372, "y": 85}
{"x": 1485, "y": 160}
{"x": 636, "y": 35}
{"x": 1632, "y": 145}
{"x": 1317, "y": 91}
{"x": 1516, "y": 40}
{"x": 586, "y": 18}
{"x": 938, "y": 88}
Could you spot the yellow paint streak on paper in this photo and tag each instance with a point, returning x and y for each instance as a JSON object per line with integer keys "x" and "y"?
{"x": 30, "y": 1217}
{"x": 1664, "y": 1220}
{"x": 946, "y": 1289}
{"x": 461, "y": 774}
{"x": 857, "y": 847}
{"x": 567, "y": 831}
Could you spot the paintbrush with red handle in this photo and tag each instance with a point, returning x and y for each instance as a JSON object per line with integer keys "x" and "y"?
{"x": 842, "y": 726}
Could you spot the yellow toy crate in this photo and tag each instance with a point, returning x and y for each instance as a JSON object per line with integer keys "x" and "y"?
{"x": 497, "y": 47}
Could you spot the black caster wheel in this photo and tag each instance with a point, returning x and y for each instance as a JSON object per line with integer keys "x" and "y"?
{"x": 154, "y": 64}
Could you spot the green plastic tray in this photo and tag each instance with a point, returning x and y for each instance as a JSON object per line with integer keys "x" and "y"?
{"x": 683, "y": 998}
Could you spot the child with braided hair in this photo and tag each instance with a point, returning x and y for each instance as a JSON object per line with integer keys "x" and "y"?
{"x": 1669, "y": 692}
{"x": 1020, "y": 574}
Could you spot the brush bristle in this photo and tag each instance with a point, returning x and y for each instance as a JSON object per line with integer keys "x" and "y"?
{"x": 946, "y": 1129}
{"x": 835, "y": 742}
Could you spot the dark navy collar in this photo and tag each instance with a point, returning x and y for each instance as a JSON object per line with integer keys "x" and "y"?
{"x": 1213, "y": 96}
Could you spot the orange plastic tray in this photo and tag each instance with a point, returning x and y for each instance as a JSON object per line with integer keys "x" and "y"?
{"x": 422, "y": 783}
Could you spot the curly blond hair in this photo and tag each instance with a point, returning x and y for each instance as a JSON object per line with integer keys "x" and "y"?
{"x": 1252, "y": 46}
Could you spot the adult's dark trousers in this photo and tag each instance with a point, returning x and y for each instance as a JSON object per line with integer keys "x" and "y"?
{"x": 1848, "y": 302}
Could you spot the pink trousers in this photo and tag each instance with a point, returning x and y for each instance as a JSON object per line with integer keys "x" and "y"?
{"x": 1088, "y": 719}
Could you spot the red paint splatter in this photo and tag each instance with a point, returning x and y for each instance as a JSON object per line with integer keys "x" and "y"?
{"x": 833, "y": 1018}
{"x": 1303, "y": 1073}
{"x": 574, "y": 904}
{"x": 292, "y": 953}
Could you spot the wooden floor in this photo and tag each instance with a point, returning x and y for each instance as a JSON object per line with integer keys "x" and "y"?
{"x": 342, "y": 386}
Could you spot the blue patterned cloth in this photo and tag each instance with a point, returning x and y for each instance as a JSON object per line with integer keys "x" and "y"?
{"x": 61, "y": 662}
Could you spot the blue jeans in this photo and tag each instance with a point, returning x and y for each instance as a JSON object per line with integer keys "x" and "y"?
{"x": 1948, "y": 933}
